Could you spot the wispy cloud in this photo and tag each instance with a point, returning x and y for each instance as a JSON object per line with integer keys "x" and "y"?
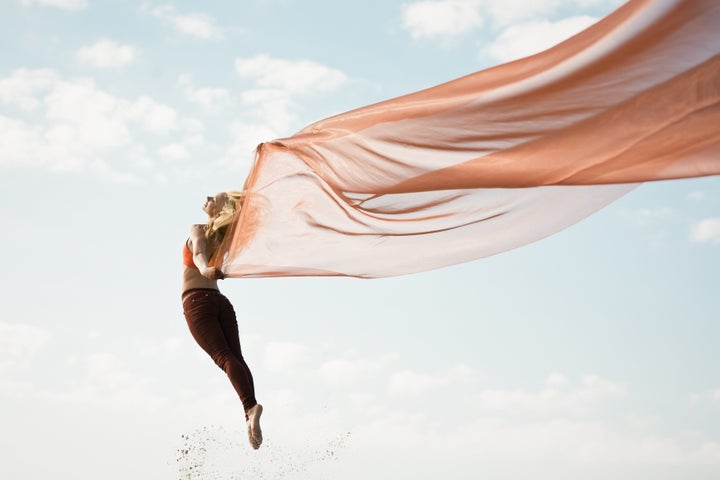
{"x": 528, "y": 38}
{"x": 246, "y": 135}
{"x": 276, "y": 84}
{"x": 712, "y": 395}
{"x": 551, "y": 448}
{"x": 706, "y": 231}
{"x": 109, "y": 381}
{"x": 430, "y": 19}
{"x": 292, "y": 76}
{"x": 409, "y": 382}
{"x": 509, "y": 12}
{"x": 353, "y": 369}
{"x": 61, "y": 4}
{"x": 211, "y": 99}
{"x": 283, "y": 356}
{"x": 643, "y": 216}
{"x": 71, "y": 124}
{"x": 181, "y": 150}
{"x": 198, "y": 25}
{"x": 558, "y": 396}
{"x": 174, "y": 151}
{"x": 560, "y": 425}
{"x": 273, "y": 109}
{"x": 270, "y": 102}
{"x": 18, "y": 341}
{"x": 106, "y": 54}
{"x": 23, "y": 87}
{"x": 438, "y": 19}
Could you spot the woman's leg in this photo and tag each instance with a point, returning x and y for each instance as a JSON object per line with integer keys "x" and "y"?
{"x": 229, "y": 325}
{"x": 203, "y": 313}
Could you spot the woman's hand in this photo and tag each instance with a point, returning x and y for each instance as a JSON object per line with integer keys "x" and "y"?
{"x": 213, "y": 273}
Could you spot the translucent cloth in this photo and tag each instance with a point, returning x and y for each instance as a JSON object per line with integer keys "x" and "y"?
{"x": 493, "y": 160}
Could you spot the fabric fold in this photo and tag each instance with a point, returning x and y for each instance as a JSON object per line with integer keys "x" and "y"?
{"x": 493, "y": 160}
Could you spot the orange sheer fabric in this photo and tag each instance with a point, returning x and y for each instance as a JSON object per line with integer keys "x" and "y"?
{"x": 493, "y": 160}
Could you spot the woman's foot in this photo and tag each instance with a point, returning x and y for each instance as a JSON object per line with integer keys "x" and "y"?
{"x": 253, "y": 423}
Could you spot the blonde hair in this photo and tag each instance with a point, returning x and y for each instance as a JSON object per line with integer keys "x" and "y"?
{"x": 218, "y": 226}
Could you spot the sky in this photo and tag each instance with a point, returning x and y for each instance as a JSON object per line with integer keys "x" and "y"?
{"x": 590, "y": 354}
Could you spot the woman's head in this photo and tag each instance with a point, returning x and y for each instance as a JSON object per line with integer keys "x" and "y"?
{"x": 221, "y": 210}
{"x": 214, "y": 204}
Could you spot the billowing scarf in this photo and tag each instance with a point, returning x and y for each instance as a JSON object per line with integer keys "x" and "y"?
{"x": 491, "y": 161}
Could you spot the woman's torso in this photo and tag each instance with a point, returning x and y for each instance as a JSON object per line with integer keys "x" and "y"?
{"x": 192, "y": 278}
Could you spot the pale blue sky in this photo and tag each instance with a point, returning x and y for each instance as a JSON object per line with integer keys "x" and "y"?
{"x": 591, "y": 354}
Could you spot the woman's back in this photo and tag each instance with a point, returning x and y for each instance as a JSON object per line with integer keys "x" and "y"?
{"x": 197, "y": 243}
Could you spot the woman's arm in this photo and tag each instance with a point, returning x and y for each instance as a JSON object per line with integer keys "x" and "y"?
{"x": 199, "y": 247}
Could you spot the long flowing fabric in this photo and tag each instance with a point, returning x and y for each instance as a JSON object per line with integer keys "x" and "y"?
{"x": 493, "y": 160}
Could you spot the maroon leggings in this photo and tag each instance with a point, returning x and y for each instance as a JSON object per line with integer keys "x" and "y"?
{"x": 212, "y": 322}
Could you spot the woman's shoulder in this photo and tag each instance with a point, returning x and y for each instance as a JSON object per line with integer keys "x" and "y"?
{"x": 197, "y": 231}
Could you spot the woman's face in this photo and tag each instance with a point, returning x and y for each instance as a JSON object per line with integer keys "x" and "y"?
{"x": 213, "y": 205}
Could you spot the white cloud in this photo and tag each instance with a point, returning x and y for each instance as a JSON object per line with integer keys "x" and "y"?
{"x": 209, "y": 98}
{"x": 343, "y": 370}
{"x": 283, "y": 356}
{"x": 528, "y": 38}
{"x": 408, "y": 382}
{"x": 413, "y": 383}
{"x": 246, "y": 137}
{"x": 446, "y": 18}
{"x": 506, "y": 12}
{"x": 24, "y": 144}
{"x": 272, "y": 119}
{"x": 70, "y": 124}
{"x": 265, "y": 96}
{"x": 598, "y": 3}
{"x": 556, "y": 380}
{"x": 174, "y": 151}
{"x": 350, "y": 371}
{"x": 106, "y": 54}
{"x": 270, "y": 106}
{"x": 292, "y": 76}
{"x": 153, "y": 116}
{"x": 706, "y": 231}
{"x": 23, "y": 87}
{"x": 556, "y": 397}
{"x": 696, "y": 196}
{"x": 550, "y": 448}
{"x": 496, "y": 428}
{"x": 109, "y": 382}
{"x": 18, "y": 341}
{"x": 654, "y": 212}
{"x": 198, "y": 25}
{"x": 181, "y": 150}
{"x": 645, "y": 216}
{"x": 62, "y": 4}
{"x": 441, "y": 18}
{"x": 85, "y": 116}
{"x": 270, "y": 102}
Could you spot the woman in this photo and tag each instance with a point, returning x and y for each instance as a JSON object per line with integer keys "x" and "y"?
{"x": 209, "y": 314}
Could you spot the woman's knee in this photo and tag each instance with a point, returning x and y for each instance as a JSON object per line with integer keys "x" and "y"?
{"x": 223, "y": 359}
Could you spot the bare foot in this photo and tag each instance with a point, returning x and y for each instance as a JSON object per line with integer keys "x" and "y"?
{"x": 253, "y": 423}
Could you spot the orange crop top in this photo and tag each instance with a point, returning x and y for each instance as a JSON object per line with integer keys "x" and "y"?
{"x": 188, "y": 257}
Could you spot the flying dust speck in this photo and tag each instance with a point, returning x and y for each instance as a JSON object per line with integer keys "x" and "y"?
{"x": 213, "y": 453}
